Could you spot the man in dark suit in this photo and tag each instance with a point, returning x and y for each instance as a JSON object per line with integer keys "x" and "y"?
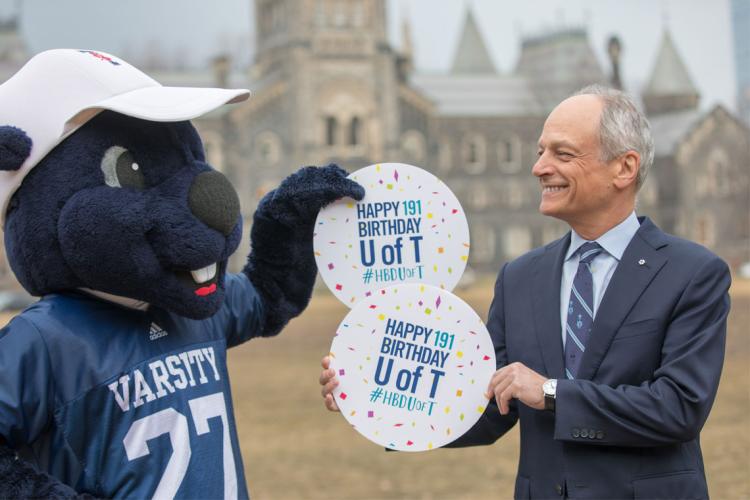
{"x": 609, "y": 341}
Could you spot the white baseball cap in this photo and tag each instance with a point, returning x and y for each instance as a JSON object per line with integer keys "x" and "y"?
{"x": 58, "y": 91}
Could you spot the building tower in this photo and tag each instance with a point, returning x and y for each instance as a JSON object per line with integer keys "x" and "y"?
{"x": 472, "y": 56}
{"x": 670, "y": 87}
{"x": 559, "y": 63}
{"x": 325, "y": 78}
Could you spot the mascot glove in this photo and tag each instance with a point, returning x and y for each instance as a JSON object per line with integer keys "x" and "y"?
{"x": 282, "y": 265}
{"x": 299, "y": 198}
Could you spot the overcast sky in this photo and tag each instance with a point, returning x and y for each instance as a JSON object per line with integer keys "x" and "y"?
{"x": 194, "y": 30}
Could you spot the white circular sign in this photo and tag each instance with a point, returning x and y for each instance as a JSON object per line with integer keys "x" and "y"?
{"x": 413, "y": 363}
{"x": 409, "y": 228}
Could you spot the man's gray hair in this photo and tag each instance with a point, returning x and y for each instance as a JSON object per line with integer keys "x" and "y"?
{"x": 622, "y": 128}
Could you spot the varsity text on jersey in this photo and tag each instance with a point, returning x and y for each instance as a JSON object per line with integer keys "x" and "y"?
{"x": 165, "y": 376}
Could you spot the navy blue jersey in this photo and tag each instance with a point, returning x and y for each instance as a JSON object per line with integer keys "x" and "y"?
{"x": 127, "y": 403}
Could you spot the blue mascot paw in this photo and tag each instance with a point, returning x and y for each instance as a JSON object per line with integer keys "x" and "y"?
{"x": 282, "y": 239}
{"x": 299, "y": 197}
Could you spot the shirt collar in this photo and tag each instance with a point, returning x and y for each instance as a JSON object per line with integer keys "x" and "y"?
{"x": 117, "y": 299}
{"x": 614, "y": 241}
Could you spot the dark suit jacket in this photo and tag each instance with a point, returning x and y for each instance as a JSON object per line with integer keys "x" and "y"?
{"x": 628, "y": 426}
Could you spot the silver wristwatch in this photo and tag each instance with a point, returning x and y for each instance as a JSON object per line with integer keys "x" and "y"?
{"x": 549, "y": 388}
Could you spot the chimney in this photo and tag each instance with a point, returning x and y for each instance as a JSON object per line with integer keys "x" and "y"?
{"x": 221, "y": 66}
{"x": 614, "y": 48}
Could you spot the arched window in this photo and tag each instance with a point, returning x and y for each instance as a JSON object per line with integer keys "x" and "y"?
{"x": 474, "y": 153}
{"x": 355, "y": 131}
{"x": 509, "y": 154}
{"x": 331, "y": 126}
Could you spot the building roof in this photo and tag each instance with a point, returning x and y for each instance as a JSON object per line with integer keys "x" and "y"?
{"x": 559, "y": 63}
{"x": 669, "y": 129}
{"x": 478, "y": 95}
{"x": 669, "y": 76}
{"x": 472, "y": 56}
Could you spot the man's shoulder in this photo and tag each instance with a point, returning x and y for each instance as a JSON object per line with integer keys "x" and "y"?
{"x": 676, "y": 248}
{"x": 531, "y": 257}
{"x": 519, "y": 269}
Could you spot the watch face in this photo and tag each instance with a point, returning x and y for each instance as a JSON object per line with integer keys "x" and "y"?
{"x": 549, "y": 386}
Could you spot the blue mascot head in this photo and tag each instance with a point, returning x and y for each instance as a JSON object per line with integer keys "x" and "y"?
{"x": 104, "y": 185}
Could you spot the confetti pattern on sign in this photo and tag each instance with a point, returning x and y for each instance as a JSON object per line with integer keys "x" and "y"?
{"x": 457, "y": 401}
{"x": 420, "y": 206}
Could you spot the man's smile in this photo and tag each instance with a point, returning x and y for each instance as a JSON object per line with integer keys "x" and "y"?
{"x": 552, "y": 189}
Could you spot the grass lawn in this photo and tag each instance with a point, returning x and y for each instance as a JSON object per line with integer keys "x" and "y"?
{"x": 295, "y": 449}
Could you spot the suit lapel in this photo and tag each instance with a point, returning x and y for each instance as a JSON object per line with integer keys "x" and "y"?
{"x": 546, "y": 278}
{"x": 638, "y": 266}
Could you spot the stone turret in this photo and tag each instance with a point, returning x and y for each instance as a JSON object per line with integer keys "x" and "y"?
{"x": 472, "y": 56}
{"x": 670, "y": 87}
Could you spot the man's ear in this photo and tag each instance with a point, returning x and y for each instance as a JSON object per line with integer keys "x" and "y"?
{"x": 627, "y": 169}
{"x": 15, "y": 147}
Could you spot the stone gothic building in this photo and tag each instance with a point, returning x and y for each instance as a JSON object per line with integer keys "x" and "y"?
{"x": 328, "y": 86}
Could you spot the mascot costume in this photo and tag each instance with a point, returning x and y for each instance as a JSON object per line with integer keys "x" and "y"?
{"x": 115, "y": 383}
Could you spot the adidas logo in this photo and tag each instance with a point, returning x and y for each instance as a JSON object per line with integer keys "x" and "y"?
{"x": 156, "y": 332}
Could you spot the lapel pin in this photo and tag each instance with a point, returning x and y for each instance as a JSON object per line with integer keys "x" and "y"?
{"x": 641, "y": 262}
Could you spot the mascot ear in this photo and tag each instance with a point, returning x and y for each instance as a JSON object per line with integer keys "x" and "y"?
{"x": 15, "y": 147}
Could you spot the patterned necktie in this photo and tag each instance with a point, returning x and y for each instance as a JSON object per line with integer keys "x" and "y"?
{"x": 580, "y": 309}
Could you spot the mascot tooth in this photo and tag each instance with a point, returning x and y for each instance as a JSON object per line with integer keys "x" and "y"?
{"x": 115, "y": 383}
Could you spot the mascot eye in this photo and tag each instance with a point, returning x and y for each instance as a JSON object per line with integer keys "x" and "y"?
{"x": 121, "y": 170}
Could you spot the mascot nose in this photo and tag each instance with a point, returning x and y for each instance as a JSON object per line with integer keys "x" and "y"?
{"x": 213, "y": 200}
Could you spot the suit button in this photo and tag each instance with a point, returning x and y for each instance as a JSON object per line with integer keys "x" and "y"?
{"x": 592, "y": 434}
{"x": 599, "y": 434}
{"x": 576, "y": 433}
{"x": 584, "y": 433}
{"x": 559, "y": 489}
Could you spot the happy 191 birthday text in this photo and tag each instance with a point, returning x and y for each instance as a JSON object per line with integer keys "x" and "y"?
{"x": 390, "y": 235}
{"x": 427, "y": 347}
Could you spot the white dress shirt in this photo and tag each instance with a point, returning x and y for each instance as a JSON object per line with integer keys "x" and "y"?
{"x": 613, "y": 243}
